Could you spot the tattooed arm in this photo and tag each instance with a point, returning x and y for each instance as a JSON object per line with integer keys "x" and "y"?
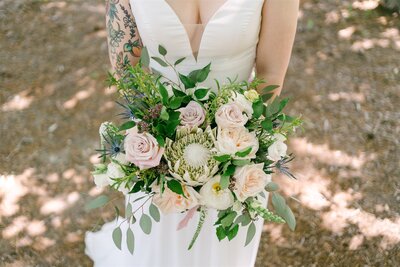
{"x": 124, "y": 44}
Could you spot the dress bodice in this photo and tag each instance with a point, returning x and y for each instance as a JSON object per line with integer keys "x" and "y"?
{"x": 229, "y": 39}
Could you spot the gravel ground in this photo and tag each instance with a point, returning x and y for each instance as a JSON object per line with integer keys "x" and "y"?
{"x": 343, "y": 78}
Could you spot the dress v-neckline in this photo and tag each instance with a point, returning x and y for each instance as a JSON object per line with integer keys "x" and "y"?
{"x": 205, "y": 31}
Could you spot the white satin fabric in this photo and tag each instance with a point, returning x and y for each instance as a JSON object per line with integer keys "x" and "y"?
{"x": 229, "y": 42}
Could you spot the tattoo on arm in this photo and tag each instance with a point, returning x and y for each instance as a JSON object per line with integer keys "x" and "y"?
{"x": 123, "y": 38}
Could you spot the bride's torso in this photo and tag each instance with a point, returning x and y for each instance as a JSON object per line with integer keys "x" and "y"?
{"x": 225, "y": 33}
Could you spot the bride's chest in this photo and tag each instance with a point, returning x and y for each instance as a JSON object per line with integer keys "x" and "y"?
{"x": 230, "y": 27}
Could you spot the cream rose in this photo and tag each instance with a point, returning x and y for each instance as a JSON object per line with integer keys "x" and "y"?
{"x": 244, "y": 104}
{"x": 250, "y": 181}
{"x": 230, "y": 116}
{"x": 170, "y": 202}
{"x": 142, "y": 149}
{"x": 232, "y": 140}
{"x": 251, "y": 95}
{"x": 100, "y": 176}
{"x": 278, "y": 149}
{"x": 192, "y": 115}
{"x": 214, "y": 197}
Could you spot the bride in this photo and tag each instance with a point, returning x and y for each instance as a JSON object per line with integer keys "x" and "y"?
{"x": 237, "y": 37}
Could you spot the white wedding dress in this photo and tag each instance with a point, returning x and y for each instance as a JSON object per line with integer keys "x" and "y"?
{"x": 228, "y": 41}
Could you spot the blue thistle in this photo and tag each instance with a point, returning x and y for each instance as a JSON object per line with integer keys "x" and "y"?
{"x": 114, "y": 146}
{"x": 281, "y": 166}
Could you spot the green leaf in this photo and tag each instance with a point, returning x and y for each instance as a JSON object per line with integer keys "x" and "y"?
{"x": 243, "y": 219}
{"x": 244, "y": 152}
{"x": 98, "y": 202}
{"x": 154, "y": 212}
{"x": 233, "y": 232}
{"x": 269, "y": 88}
{"x": 201, "y": 93}
{"x": 164, "y": 114}
{"x": 130, "y": 240}
{"x": 272, "y": 109}
{"x": 187, "y": 82}
{"x": 127, "y": 125}
{"x": 228, "y": 219}
{"x": 164, "y": 93}
{"x": 128, "y": 210}
{"x": 203, "y": 73}
{"x": 160, "y": 140}
{"x": 224, "y": 181}
{"x": 133, "y": 219}
{"x": 222, "y": 158}
{"x": 145, "y": 223}
{"x": 241, "y": 162}
{"x": 267, "y": 97}
{"x": 230, "y": 170}
{"x": 178, "y": 93}
{"x": 117, "y": 237}
{"x": 162, "y": 50}
{"x": 271, "y": 186}
{"x": 220, "y": 233}
{"x": 289, "y": 218}
{"x": 251, "y": 231}
{"x": 283, "y": 104}
{"x": 258, "y": 109}
{"x": 179, "y": 61}
{"x": 279, "y": 204}
{"x": 160, "y": 61}
{"x": 267, "y": 125}
{"x": 175, "y": 102}
{"x": 137, "y": 187}
{"x": 144, "y": 57}
{"x": 175, "y": 187}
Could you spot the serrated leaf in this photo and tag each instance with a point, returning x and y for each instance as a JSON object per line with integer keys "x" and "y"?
{"x": 127, "y": 125}
{"x": 98, "y": 202}
{"x": 222, "y": 158}
{"x": 117, "y": 237}
{"x": 271, "y": 187}
{"x": 145, "y": 224}
{"x": 130, "y": 240}
{"x": 258, "y": 109}
{"x": 244, "y": 152}
{"x": 201, "y": 93}
{"x": 175, "y": 187}
{"x": 160, "y": 61}
{"x": 144, "y": 57}
{"x": 128, "y": 210}
{"x": 154, "y": 212}
{"x": 251, "y": 231}
{"x": 224, "y": 182}
{"x": 162, "y": 50}
{"x": 179, "y": 61}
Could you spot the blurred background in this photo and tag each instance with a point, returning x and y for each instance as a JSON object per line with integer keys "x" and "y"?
{"x": 344, "y": 78}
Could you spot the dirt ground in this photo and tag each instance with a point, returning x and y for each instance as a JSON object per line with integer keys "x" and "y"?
{"x": 344, "y": 78}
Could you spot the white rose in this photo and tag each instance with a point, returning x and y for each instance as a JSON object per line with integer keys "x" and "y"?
{"x": 278, "y": 149}
{"x": 121, "y": 158}
{"x": 170, "y": 202}
{"x": 245, "y": 105}
{"x": 214, "y": 197}
{"x": 232, "y": 140}
{"x": 230, "y": 116}
{"x": 100, "y": 176}
{"x": 250, "y": 181}
{"x": 115, "y": 171}
{"x": 192, "y": 115}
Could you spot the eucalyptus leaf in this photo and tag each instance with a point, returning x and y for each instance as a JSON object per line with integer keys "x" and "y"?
{"x": 241, "y": 162}
{"x": 160, "y": 61}
{"x": 130, "y": 240}
{"x": 154, "y": 212}
{"x": 98, "y": 202}
{"x": 279, "y": 204}
{"x": 251, "y": 231}
{"x": 224, "y": 181}
{"x": 271, "y": 187}
{"x": 128, "y": 210}
{"x": 289, "y": 218}
{"x": 162, "y": 50}
{"x": 145, "y": 223}
{"x": 179, "y": 61}
{"x": 144, "y": 57}
{"x": 117, "y": 237}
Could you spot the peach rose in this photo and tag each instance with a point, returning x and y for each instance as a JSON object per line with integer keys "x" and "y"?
{"x": 142, "y": 149}
{"x": 232, "y": 140}
{"x": 170, "y": 202}
{"x": 250, "y": 181}
{"x": 192, "y": 115}
{"x": 230, "y": 116}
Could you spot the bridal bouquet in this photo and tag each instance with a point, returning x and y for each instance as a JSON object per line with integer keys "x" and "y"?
{"x": 190, "y": 148}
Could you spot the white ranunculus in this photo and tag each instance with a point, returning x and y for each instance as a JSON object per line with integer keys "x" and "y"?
{"x": 230, "y": 116}
{"x": 170, "y": 202}
{"x": 250, "y": 181}
{"x": 232, "y": 140}
{"x": 121, "y": 158}
{"x": 214, "y": 197}
{"x": 278, "y": 149}
{"x": 192, "y": 115}
{"x": 244, "y": 104}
